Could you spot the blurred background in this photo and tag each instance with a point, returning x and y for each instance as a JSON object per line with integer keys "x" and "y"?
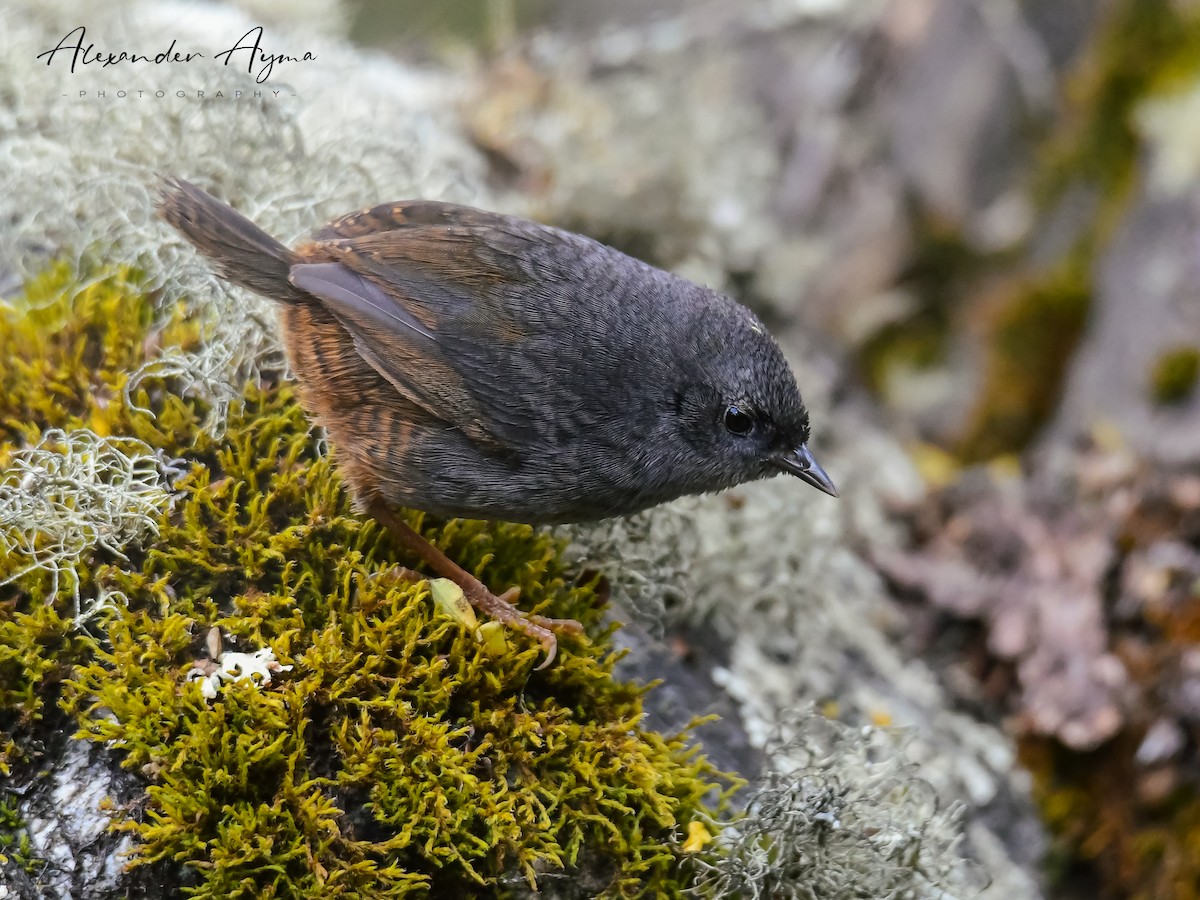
{"x": 981, "y": 218}
{"x": 974, "y": 226}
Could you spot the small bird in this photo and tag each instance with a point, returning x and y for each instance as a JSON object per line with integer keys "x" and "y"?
{"x": 478, "y": 365}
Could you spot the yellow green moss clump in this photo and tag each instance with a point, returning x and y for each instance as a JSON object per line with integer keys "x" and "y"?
{"x": 69, "y": 346}
{"x": 14, "y": 838}
{"x": 398, "y": 755}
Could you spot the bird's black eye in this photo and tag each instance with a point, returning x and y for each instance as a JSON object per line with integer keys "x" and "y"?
{"x": 738, "y": 421}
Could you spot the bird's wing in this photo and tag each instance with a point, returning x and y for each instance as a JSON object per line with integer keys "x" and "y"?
{"x": 406, "y": 214}
{"x": 436, "y": 299}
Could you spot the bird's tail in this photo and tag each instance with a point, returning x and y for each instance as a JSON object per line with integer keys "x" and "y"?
{"x": 241, "y": 251}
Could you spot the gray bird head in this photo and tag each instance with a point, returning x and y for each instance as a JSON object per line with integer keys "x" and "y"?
{"x": 739, "y": 408}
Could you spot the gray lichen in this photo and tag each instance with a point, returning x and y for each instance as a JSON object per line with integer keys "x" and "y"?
{"x": 844, "y": 815}
{"x": 74, "y": 492}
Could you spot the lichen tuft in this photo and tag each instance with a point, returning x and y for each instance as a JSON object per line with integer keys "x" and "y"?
{"x": 844, "y": 814}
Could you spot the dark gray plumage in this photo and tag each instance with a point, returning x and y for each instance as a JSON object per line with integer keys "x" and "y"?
{"x": 479, "y": 365}
{"x": 473, "y": 364}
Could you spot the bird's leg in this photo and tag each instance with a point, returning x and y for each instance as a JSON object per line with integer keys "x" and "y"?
{"x": 499, "y": 608}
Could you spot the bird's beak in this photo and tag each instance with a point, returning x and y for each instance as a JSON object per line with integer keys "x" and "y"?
{"x": 800, "y": 462}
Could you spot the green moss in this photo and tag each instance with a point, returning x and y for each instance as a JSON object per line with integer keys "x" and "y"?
{"x": 15, "y": 846}
{"x": 397, "y": 756}
{"x": 1175, "y": 375}
{"x": 1142, "y": 48}
{"x": 1033, "y": 333}
{"x": 1030, "y": 320}
{"x": 472, "y": 768}
{"x": 941, "y": 261}
{"x": 69, "y": 343}
{"x": 38, "y": 647}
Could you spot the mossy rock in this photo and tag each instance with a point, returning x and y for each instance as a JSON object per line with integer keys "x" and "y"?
{"x": 398, "y": 755}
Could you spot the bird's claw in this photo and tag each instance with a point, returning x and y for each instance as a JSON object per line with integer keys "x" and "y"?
{"x": 568, "y": 626}
{"x": 550, "y": 645}
{"x": 541, "y": 628}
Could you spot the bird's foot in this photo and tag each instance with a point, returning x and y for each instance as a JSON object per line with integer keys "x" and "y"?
{"x": 503, "y": 610}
